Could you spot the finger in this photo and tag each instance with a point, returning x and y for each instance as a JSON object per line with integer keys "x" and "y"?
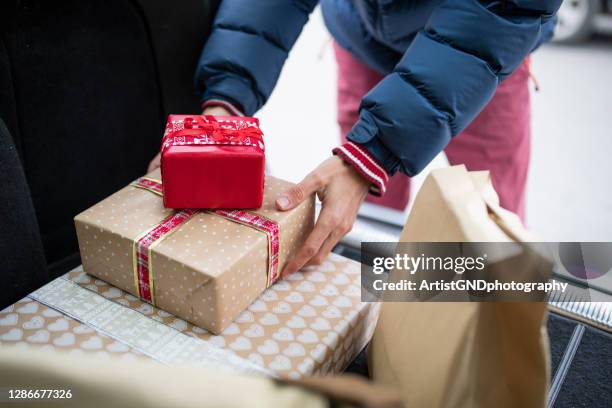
{"x": 297, "y": 193}
{"x": 343, "y": 227}
{"x": 312, "y": 245}
{"x": 155, "y": 163}
{"x": 334, "y": 237}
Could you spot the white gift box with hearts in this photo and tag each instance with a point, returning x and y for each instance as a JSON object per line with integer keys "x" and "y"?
{"x": 312, "y": 323}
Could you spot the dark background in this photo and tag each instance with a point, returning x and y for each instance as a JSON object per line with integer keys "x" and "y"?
{"x": 85, "y": 87}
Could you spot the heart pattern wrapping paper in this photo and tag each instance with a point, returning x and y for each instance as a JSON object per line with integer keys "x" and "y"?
{"x": 311, "y": 323}
{"x": 29, "y": 322}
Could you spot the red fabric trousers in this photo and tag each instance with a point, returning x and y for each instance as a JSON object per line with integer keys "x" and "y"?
{"x": 497, "y": 140}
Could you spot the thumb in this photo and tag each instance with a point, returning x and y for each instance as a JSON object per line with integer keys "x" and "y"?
{"x": 297, "y": 193}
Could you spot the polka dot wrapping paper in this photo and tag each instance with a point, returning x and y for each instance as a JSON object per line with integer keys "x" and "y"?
{"x": 207, "y": 270}
{"x": 312, "y": 323}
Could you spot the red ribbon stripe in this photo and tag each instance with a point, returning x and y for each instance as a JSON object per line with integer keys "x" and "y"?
{"x": 143, "y": 269}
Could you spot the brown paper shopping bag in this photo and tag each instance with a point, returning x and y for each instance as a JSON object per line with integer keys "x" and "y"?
{"x": 462, "y": 354}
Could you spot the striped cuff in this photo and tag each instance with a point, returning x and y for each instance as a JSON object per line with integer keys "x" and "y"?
{"x": 224, "y": 104}
{"x": 366, "y": 165}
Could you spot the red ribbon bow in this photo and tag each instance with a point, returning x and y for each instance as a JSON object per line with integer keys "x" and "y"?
{"x": 203, "y": 130}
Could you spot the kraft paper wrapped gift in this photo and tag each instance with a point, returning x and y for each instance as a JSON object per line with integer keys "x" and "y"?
{"x": 204, "y": 266}
{"x": 313, "y": 323}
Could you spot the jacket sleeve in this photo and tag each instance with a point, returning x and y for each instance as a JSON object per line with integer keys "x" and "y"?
{"x": 247, "y": 48}
{"x": 446, "y": 76}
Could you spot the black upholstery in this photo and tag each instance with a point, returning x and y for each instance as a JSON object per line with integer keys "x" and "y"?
{"x": 21, "y": 251}
{"x": 86, "y": 87}
{"x": 589, "y": 380}
{"x": 560, "y": 331}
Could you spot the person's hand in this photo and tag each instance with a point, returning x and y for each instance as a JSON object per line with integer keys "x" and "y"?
{"x": 155, "y": 163}
{"x": 341, "y": 190}
{"x": 211, "y": 110}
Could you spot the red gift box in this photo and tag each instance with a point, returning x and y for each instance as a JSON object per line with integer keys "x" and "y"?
{"x": 212, "y": 162}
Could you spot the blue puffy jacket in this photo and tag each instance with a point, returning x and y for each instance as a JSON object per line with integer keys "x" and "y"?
{"x": 443, "y": 60}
